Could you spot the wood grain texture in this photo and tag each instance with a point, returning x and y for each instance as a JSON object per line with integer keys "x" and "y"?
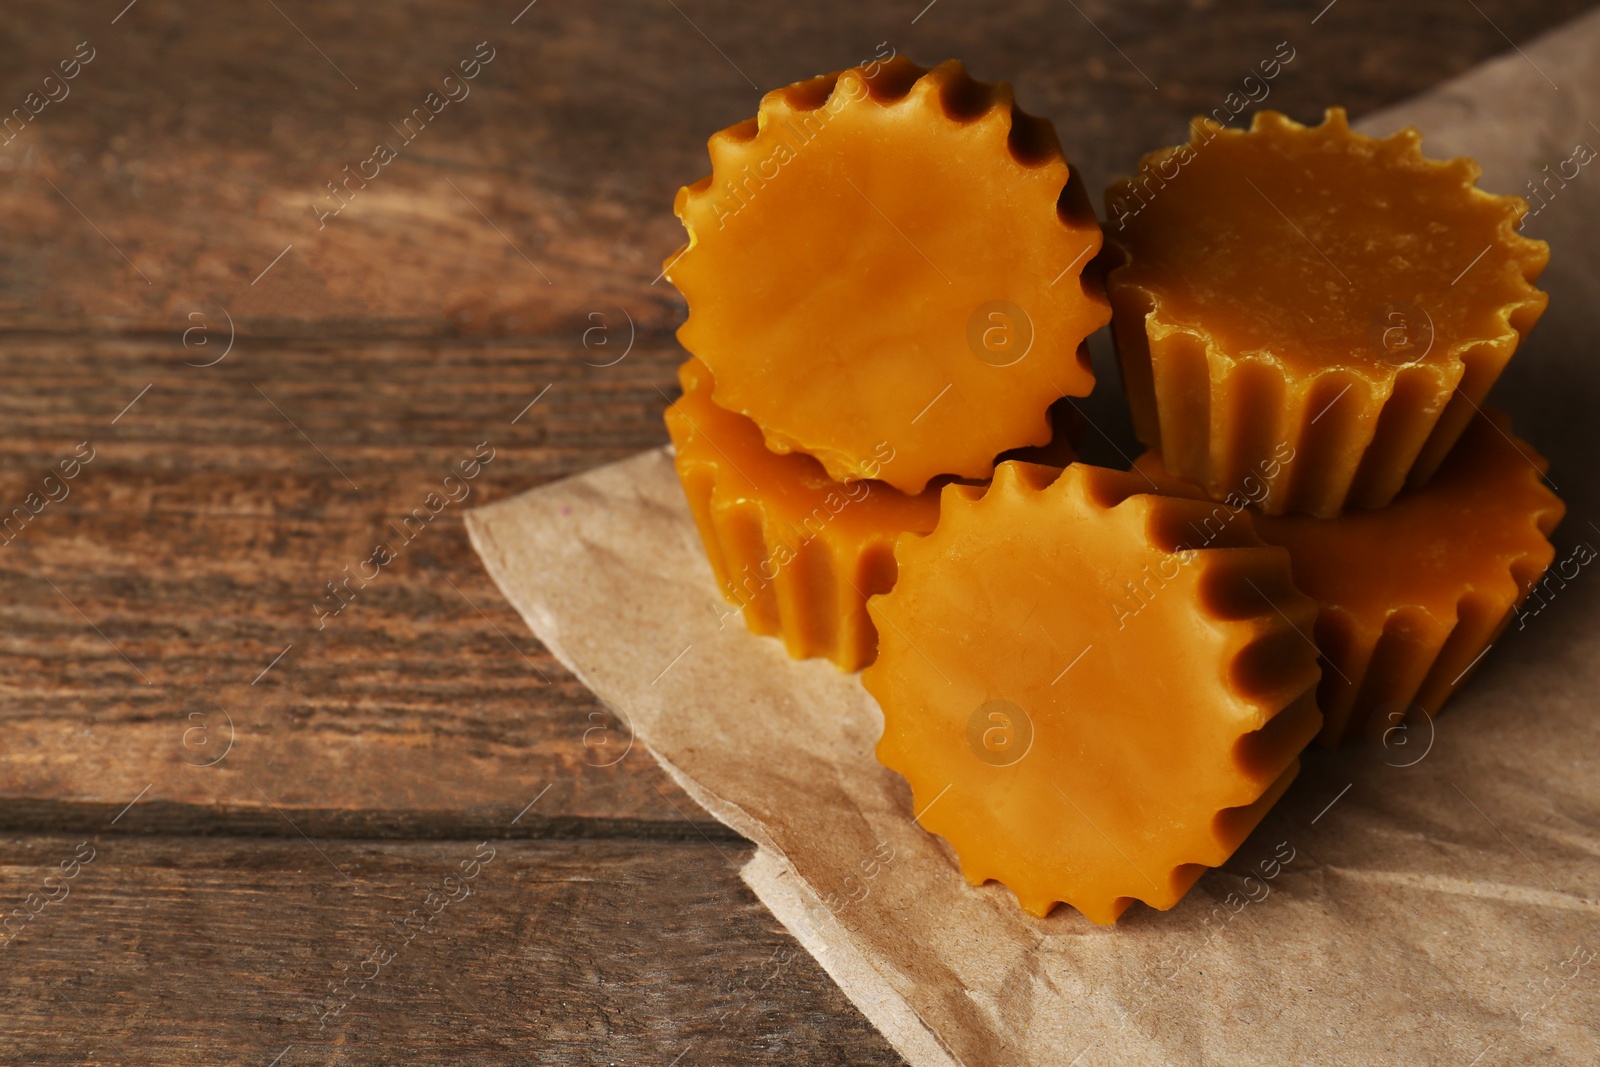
{"x": 168, "y": 950}
{"x": 141, "y": 611}
{"x": 164, "y": 208}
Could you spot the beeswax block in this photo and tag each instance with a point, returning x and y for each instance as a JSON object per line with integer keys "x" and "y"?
{"x": 798, "y": 552}
{"x": 1315, "y": 289}
{"x": 891, "y": 257}
{"x": 1086, "y": 708}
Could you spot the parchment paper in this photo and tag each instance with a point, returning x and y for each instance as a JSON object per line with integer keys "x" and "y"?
{"x": 1433, "y": 902}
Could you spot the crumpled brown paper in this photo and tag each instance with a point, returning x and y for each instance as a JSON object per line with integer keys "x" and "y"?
{"x": 1432, "y": 902}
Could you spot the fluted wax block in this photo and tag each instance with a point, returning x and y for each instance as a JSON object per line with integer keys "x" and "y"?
{"x": 1410, "y": 596}
{"x": 798, "y": 552}
{"x": 1086, "y": 708}
{"x": 1315, "y": 291}
{"x": 891, "y": 257}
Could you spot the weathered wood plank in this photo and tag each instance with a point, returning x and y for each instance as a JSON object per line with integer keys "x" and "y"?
{"x": 139, "y": 615}
{"x": 222, "y": 950}
{"x": 197, "y": 144}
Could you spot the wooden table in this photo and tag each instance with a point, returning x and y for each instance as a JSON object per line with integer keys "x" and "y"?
{"x": 268, "y": 389}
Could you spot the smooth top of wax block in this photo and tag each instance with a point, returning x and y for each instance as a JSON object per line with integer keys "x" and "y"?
{"x": 788, "y": 488}
{"x": 1074, "y": 698}
{"x": 1479, "y": 527}
{"x": 1318, "y": 247}
{"x": 891, "y": 257}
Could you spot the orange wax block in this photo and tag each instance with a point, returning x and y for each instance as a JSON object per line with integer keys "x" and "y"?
{"x": 1412, "y": 595}
{"x": 1087, "y": 710}
{"x": 1313, "y": 289}
{"x": 891, "y": 257}
{"x": 798, "y": 551}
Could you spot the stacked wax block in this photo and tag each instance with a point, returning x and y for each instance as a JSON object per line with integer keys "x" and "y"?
{"x": 1309, "y": 321}
{"x": 1098, "y": 682}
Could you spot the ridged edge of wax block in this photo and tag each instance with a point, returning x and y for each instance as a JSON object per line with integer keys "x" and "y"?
{"x": 945, "y": 94}
{"x": 1251, "y": 610}
{"x": 1357, "y": 437}
{"x": 786, "y": 582}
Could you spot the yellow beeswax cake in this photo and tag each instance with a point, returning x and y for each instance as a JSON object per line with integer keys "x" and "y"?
{"x": 1315, "y": 289}
{"x": 1086, "y": 708}
{"x": 798, "y": 552}
{"x": 891, "y": 257}
{"x": 1410, "y": 596}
